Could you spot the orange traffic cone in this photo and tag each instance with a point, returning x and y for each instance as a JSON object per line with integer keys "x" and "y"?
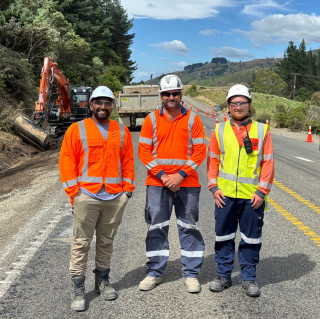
{"x": 198, "y": 109}
{"x": 309, "y": 139}
{"x": 213, "y": 114}
{"x": 225, "y": 117}
{"x": 191, "y": 107}
{"x": 208, "y": 112}
{"x": 267, "y": 122}
{"x": 186, "y": 105}
{"x": 217, "y": 122}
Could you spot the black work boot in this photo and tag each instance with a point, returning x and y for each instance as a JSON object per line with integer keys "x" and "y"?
{"x": 251, "y": 288}
{"x": 78, "y": 301}
{"x": 102, "y": 285}
{"x": 219, "y": 284}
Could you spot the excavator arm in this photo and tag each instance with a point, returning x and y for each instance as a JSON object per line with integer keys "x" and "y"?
{"x": 52, "y": 77}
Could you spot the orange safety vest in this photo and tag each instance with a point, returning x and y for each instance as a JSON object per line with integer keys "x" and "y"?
{"x": 89, "y": 161}
{"x": 172, "y": 147}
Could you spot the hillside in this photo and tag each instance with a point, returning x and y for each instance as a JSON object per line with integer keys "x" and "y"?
{"x": 221, "y": 74}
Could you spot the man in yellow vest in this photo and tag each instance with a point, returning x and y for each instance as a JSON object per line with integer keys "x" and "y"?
{"x": 240, "y": 175}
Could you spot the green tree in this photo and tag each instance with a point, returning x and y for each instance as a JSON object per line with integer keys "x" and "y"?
{"x": 269, "y": 82}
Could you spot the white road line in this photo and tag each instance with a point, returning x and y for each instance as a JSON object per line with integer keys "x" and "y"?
{"x": 304, "y": 159}
{"x": 17, "y": 267}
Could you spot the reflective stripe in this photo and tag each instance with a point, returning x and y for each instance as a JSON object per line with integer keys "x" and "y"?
{"x": 266, "y": 157}
{"x": 123, "y": 134}
{"x": 193, "y": 254}
{"x": 212, "y": 181}
{"x": 227, "y": 176}
{"x": 153, "y": 119}
{"x": 222, "y": 149}
{"x": 113, "y": 180}
{"x": 145, "y": 140}
{"x": 171, "y": 161}
{"x": 251, "y": 240}
{"x": 187, "y": 226}
{"x": 199, "y": 140}
{"x": 90, "y": 179}
{"x": 213, "y": 155}
{"x": 190, "y": 125}
{"x": 152, "y": 164}
{"x": 70, "y": 183}
{"x": 248, "y": 180}
{"x": 265, "y": 185}
{"x": 192, "y": 164}
{"x": 83, "y": 137}
{"x": 155, "y": 253}
{"x": 226, "y": 237}
{"x": 259, "y": 157}
{"x": 128, "y": 180}
{"x": 160, "y": 225}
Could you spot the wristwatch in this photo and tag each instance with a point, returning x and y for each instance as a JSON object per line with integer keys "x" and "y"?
{"x": 129, "y": 194}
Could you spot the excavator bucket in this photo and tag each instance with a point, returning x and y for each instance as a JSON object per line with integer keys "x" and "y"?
{"x": 30, "y": 132}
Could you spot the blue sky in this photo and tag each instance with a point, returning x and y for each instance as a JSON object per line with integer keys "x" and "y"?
{"x": 172, "y": 34}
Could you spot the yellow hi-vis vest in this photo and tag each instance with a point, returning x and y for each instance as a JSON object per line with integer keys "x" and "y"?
{"x": 239, "y": 172}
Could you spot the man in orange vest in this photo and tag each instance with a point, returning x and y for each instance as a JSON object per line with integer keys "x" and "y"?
{"x": 97, "y": 173}
{"x": 172, "y": 147}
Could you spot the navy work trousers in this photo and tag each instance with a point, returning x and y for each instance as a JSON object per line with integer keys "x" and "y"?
{"x": 238, "y": 211}
{"x": 159, "y": 204}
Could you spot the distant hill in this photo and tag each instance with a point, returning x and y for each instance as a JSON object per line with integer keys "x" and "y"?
{"x": 221, "y": 74}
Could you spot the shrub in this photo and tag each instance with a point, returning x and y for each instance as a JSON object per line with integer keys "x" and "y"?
{"x": 280, "y": 115}
{"x": 192, "y": 91}
{"x": 296, "y": 119}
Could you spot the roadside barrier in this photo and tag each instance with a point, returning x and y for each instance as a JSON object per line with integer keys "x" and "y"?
{"x": 309, "y": 139}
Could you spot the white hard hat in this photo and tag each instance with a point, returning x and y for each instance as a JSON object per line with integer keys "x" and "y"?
{"x": 170, "y": 82}
{"x": 101, "y": 91}
{"x": 239, "y": 89}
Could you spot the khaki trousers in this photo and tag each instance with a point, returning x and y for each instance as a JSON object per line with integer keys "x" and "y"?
{"x": 102, "y": 217}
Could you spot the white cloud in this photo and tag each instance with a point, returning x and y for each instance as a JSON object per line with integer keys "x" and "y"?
{"x": 175, "y": 46}
{"x": 233, "y": 53}
{"x": 279, "y": 28}
{"x": 208, "y": 32}
{"x": 180, "y": 65}
{"x": 179, "y": 9}
{"x": 259, "y": 8}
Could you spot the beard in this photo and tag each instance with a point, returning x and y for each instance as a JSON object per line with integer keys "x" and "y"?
{"x": 171, "y": 106}
{"x": 101, "y": 115}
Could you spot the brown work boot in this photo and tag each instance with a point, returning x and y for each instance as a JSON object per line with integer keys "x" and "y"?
{"x": 193, "y": 285}
{"x": 78, "y": 301}
{"x": 148, "y": 283}
{"x": 102, "y": 285}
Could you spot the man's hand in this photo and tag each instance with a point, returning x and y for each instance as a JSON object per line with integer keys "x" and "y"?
{"x": 256, "y": 201}
{"x": 218, "y": 198}
{"x": 172, "y": 181}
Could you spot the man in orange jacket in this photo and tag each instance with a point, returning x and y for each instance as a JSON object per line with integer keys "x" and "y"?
{"x": 97, "y": 173}
{"x": 172, "y": 146}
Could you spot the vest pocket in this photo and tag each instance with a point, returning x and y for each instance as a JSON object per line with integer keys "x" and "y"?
{"x": 95, "y": 151}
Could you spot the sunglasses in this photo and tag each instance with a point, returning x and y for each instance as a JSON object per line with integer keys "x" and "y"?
{"x": 174, "y": 94}
{"x": 241, "y": 104}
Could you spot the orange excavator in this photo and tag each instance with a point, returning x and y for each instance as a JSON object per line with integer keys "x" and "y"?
{"x": 57, "y": 107}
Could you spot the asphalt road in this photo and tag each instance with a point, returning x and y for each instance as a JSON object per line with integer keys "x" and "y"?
{"x": 34, "y": 263}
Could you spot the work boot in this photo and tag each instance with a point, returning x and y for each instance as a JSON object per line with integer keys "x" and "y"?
{"x": 220, "y": 284}
{"x": 251, "y": 288}
{"x": 78, "y": 301}
{"x": 102, "y": 285}
{"x": 193, "y": 285}
{"x": 148, "y": 283}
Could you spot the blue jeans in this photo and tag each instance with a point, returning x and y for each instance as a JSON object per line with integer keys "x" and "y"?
{"x": 159, "y": 204}
{"x": 250, "y": 221}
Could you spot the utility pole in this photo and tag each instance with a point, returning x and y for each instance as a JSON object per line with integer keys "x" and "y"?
{"x": 294, "y": 84}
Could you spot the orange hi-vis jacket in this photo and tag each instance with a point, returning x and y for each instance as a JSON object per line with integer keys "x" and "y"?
{"x": 89, "y": 161}
{"x": 167, "y": 147}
